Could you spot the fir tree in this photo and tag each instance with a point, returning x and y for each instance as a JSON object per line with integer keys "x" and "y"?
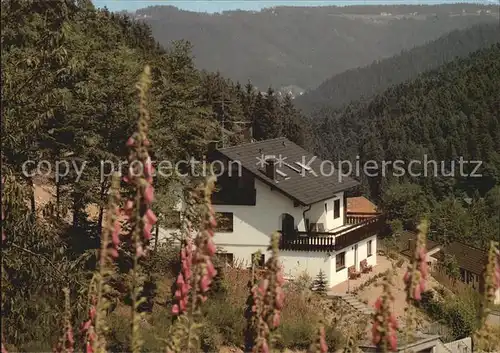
{"x": 320, "y": 284}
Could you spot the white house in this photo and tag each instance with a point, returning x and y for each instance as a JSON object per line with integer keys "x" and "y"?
{"x": 275, "y": 185}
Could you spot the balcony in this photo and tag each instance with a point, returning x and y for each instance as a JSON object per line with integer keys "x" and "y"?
{"x": 332, "y": 241}
{"x": 235, "y": 197}
{"x": 358, "y": 217}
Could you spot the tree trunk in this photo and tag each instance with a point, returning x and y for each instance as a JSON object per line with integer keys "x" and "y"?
{"x": 101, "y": 207}
{"x": 76, "y": 210}
{"x": 58, "y": 199}
{"x": 157, "y": 234}
{"x": 32, "y": 197}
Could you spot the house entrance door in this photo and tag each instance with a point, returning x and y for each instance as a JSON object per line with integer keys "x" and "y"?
{"x": 287, "y": 224}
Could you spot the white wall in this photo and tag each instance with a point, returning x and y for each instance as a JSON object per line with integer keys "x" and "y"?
{"x": 317, "y": 213}
{"x": 253, "y": 225}
{"x": 296, "y": 263}
{"x": 341, "y": 276}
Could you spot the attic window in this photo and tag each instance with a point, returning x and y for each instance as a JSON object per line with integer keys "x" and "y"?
{"x": 303, "y": 166}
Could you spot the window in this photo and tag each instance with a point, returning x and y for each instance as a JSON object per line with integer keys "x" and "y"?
{"x": 261, "y": 261}
{"x": 369, "y": 248}
{"x": 336, "y": 209}
{"x": 470, "y": 278}
{"x": 340, "y": 261}
{"x": 224, "y": 222}
{"x": 326, "y": 207}
{"x": 225, "y": 258}
{"x": 307, "y": 225}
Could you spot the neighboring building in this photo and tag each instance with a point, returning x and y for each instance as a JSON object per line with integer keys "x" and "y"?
{"x": 359, "y": 208}
{"x": 471, "y": 261}
{"x": 361, "y": 205}
{"x": 420, "y": 343}
{"x": 408, "y": 243}
{"x": 270, "y": 186}
{"x": 426, "y": 343}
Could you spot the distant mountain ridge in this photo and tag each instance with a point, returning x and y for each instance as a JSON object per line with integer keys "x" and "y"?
{"x": 362, "y": 83}
{"x": 444, "y": 113}
{"x": 301, "y": 46}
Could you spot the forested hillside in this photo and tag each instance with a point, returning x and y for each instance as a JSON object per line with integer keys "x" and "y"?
{"x": 68, "y": 75}
{"x": 301, "y": 46}
{"x": 445, "y": 114}
{"x": 363, "y": 83}
{"x": 81, "y": 270}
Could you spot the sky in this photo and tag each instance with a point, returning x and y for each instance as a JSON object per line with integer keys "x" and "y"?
{"x": 214, "y": 6}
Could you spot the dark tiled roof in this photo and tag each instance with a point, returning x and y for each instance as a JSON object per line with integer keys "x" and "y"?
{"x": 300, "y": 185}
{"x": 468, "y": 257}
{"x": 404, "y": 244}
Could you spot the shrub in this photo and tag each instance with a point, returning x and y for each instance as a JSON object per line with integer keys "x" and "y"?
{"x": 226, "y": 321}
{"x": 459, "y": 312}
{"x": 320, "y": 284}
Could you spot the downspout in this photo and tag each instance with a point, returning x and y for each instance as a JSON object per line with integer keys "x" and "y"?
{"x": 304, "y": 217}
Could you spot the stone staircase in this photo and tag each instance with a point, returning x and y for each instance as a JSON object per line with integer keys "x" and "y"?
{"x": 354, "y": 303}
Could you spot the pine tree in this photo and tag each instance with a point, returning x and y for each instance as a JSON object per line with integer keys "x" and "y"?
{"x": 320, "y": 284}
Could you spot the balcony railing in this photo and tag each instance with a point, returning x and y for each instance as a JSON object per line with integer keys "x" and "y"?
{"x": 332, "y": 241}
{"x": 358, "y": 217}
{"x": 235, "y": 196}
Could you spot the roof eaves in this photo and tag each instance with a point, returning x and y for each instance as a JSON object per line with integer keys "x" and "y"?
{"x": 336, "y": 191}
{"x": 274, "y": 186}
{"x": 266, "y": 181}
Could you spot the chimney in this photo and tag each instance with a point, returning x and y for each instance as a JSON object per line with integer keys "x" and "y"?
{"x": 412, "y": 244}
{"x": 212, "y": 146}
{"x": 248, "y": 134}
{"x": 271, "y": 169}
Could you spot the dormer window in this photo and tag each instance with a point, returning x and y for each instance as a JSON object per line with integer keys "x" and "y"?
{"x": 336, "y": 208}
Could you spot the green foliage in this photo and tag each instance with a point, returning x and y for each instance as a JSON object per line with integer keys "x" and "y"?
{"x": 320, "y": 284}
{"x": 457, "y": 311}
{"x": 450, "y": 266}
{"x": 228, "y": 323}
{"x": 396, "y": 226}
{"x": 440, "y": 115}
{"x": 67, "y": 70}
{"x": 475, "y": 223}
{"x": 367, "y": 81}
{"x": 35, "y": 267}
{"x": 450, "y": 220}
{"x": 406, "y": 203}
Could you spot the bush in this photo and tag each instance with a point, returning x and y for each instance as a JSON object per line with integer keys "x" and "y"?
{"x": 210, "y": 337}
{"x": 334, "y": 338}
{"x": 226, "y": 321}
{"x": 320, "y": 284}
{"x": 296, "y": 334}
{"x": 459, "y": 312}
